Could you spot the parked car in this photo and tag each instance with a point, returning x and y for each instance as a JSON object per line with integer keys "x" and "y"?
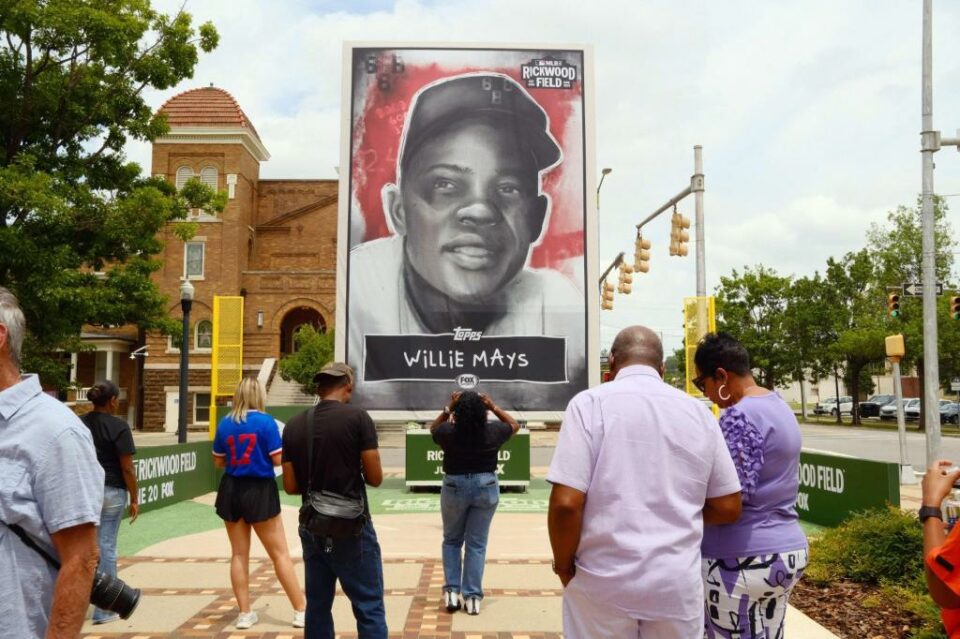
{"x": 911, "y": 409}
{"x": 829, "y": 406}
{"x": 949, "y": 412}
{"x": 871, "y": 407}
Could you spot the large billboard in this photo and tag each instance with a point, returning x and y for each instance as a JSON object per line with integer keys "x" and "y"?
{"x": 467, "y": 225}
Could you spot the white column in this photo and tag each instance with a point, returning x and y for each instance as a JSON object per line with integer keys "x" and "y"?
{"x": 73, "y": 368}
{"x": 109, "y": 368}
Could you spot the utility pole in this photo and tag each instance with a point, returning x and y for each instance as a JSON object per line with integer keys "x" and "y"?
{"x": 931, "y": 364}
{"x": 930, "y": 143}
{"x": 696, "y": 185}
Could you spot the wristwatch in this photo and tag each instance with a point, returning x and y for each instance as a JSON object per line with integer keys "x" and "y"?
{"x": 926, "y": 512}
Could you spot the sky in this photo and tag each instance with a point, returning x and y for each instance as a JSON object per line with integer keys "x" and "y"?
{"x": 808, "y": 112}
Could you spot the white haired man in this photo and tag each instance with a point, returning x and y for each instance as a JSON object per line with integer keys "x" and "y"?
{"x": 51, "y": 486}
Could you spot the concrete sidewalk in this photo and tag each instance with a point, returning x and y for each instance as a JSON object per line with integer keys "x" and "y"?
{"x": 186, "y": 586}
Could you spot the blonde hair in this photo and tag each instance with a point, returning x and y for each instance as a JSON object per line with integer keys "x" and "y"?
{"x": 248, "y": 396}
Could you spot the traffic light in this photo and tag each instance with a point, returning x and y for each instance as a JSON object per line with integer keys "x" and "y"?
{"x": 626, "y": 278}
{"x": 955, "y": 308}
{"x": 641, "y": 255}
{"x": 678, "y": 234}
{"x": 893, "y": 305}
{"x": 606, "y": 297}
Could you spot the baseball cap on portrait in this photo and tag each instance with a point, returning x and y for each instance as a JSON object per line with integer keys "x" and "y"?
{"x": 442, "y": 103}
{"x": 334, "y": 369}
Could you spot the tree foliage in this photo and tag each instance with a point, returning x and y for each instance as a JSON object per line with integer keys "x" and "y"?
{"x": 79, "y": 223}
{"x": 836, "y": 323}
{"x": 752, "y": 306}
{"x": 314, "y": 349}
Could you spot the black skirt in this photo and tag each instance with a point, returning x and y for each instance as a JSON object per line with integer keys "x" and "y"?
{"x": 252, "y": 499}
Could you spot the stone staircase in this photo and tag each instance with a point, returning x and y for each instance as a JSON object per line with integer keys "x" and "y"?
{"x": 284, "y": 393}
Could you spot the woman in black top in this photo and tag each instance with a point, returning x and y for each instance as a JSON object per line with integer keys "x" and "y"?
{"x": 114, "y": 443}
{"x": 470, "y": 490}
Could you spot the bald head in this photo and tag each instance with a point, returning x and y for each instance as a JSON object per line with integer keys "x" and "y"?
{"x": 637, "y": 345}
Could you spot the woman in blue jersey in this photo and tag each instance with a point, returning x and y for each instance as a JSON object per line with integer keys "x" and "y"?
{"x": 247, "y": 445}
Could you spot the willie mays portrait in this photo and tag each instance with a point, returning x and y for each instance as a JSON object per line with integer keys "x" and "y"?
{"x": 449, "y": 295}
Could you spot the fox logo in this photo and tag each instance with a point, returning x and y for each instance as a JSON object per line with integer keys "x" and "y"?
{"x": 467, "y": 381}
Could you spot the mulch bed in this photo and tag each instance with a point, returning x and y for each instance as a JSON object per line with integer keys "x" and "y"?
{"x": 844, "y": 608}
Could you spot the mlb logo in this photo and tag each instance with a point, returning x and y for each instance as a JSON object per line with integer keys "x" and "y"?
{"x": 467, "y": 381}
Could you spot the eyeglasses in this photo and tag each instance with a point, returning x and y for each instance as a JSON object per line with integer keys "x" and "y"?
{"x": 698, "y": 382}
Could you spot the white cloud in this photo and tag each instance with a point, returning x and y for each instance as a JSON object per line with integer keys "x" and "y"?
{"x": 808, "y": 111}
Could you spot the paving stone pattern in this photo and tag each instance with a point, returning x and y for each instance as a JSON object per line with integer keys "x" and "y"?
{"x": 413, "y": 600}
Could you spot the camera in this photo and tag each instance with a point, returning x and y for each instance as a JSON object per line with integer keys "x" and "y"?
{"x": 111, "y": 593}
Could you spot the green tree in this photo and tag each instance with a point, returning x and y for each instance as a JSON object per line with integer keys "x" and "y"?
{"x": 807, "y": 327}
{"x": 752, "y": 306}
{"x": 896, "y": 250}
{"x": 78, "y": 222}
{"x": 858, "y": 327}
{"x": 314, "y": 349}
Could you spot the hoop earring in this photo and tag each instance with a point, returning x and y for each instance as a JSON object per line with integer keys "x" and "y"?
{"x": 720, "y": 393}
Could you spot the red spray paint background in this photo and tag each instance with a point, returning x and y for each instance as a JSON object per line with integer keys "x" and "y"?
{"x": 376, "y": 142}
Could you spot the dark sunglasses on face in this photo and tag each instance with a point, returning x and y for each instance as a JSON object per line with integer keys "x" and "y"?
{"x": 698, "y": 382}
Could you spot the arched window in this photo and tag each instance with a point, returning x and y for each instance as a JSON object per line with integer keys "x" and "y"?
{"x": 184, "y": 173}
{"x": 204, "y": 336}
{"x": 208, "y": 175}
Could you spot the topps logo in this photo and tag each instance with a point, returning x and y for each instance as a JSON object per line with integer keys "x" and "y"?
{"x": 467, "y": 381}
{"x": 466, "y": 335}
{"x": 548, "y": 74}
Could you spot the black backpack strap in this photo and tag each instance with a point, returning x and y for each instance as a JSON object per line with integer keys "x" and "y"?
{"x": 311, "y": 416}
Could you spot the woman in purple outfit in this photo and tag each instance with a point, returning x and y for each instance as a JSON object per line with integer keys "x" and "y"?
{"x": 750, "y": 566}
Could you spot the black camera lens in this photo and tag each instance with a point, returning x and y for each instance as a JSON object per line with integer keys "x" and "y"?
{"x": 110, "y": 593}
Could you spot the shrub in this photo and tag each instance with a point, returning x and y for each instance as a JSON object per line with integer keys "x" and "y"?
{"x": 314, "y": 349}
{"x": 872, "y": 547}
{"x": 885, "y": 548}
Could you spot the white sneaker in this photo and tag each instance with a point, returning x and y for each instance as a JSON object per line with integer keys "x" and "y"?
{"x": 451, "y": 599}
{"x": 473, "y": 605}
{"x": 299, "y": 618}
{"x": 246, "y": 619}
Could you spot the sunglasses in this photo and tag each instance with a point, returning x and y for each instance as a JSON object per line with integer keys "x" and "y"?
{"x": 698, "y": 382}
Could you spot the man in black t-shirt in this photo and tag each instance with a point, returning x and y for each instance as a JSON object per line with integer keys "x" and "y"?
{"x": 345, "y": 458}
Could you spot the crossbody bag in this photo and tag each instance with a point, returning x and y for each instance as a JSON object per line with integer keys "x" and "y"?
{"x": 326, "y": 514}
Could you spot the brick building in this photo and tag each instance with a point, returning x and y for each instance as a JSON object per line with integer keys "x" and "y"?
{"x": 274, "y": 244}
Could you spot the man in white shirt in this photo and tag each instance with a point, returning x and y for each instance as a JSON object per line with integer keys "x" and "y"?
{"x": 638, "y": 469}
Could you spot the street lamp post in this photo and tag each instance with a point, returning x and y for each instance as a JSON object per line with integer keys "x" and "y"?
{"x": 186, "y": 302}
{"x": 603, "y": 174}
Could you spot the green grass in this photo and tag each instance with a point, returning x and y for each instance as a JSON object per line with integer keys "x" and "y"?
{"x": 392, "y": 497}
{"x": 184, "y": 518}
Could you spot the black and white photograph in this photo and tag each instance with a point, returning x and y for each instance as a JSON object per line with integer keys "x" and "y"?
{"x": 467, "y": 218}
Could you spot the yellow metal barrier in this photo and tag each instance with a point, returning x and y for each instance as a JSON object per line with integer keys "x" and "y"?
{"x": 227, "y": 365}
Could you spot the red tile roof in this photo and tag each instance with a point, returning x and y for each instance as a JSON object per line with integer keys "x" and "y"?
{"x": 208, "y": 106}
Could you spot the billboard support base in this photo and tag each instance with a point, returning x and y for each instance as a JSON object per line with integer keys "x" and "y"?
{"x": 907, "y": 476}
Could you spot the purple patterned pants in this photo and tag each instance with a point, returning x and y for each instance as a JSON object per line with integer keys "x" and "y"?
{"x": 746, "y": 598}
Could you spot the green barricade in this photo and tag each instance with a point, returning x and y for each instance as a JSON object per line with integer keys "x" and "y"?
{"x": 424, "y": 460}
{"x": 169, "y": 474}
{"x": 833, "y": 487}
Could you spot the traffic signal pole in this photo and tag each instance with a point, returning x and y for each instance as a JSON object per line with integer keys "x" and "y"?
{"x": 696, "y": 185}
{"x": 930, "y": 142}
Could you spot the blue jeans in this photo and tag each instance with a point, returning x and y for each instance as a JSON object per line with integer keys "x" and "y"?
{"x": 114, "y": 501}
{"x": 356, "y": 563}
{"x": 467, "y": 503}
